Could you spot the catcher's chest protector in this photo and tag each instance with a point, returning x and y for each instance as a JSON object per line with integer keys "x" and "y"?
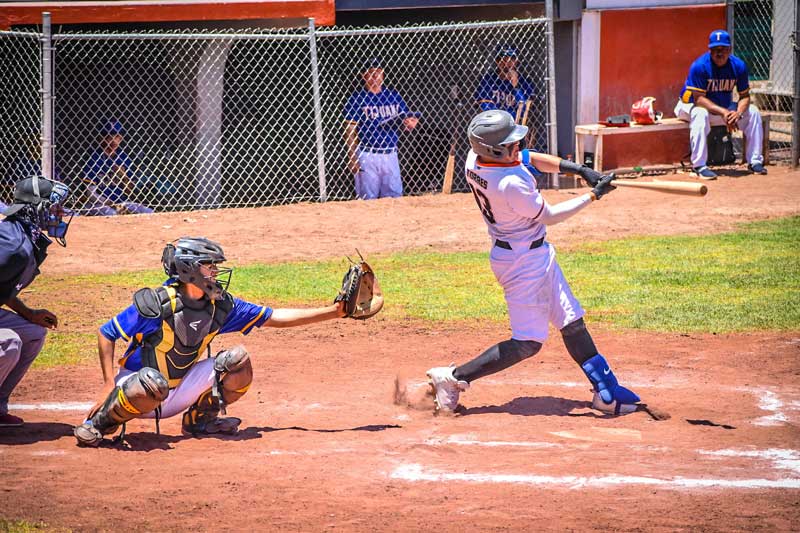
{"x": 186, "y": 331}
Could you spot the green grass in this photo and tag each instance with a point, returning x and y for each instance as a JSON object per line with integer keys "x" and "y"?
{"x": 22, "y": 526}
{"x": 748, "y": 280}
{"x": 62, "y": 349}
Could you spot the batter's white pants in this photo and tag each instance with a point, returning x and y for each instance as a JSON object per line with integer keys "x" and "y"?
{"x": 198, "y": 380}
{"x": 535, "y": 289}
{"x": 379, "y": 176}
{"x": 20, "y": 343}
{"x": 700, "y": 122}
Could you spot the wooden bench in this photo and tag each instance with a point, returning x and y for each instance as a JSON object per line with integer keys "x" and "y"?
{"x": 599, "y": 131}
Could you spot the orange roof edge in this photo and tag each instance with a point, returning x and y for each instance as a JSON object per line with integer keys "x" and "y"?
{"x": 92, "y": 12}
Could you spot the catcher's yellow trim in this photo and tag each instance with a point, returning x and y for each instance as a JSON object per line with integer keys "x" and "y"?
{"x": 123, "y": 401}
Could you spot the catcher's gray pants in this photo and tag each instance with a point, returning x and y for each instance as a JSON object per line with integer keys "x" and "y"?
{"x": 20, "y": 343}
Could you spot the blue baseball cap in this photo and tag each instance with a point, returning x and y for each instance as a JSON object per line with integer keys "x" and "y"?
{"x": 112, "y": 127}
{"x": 505, "y": 50}
{"x": 719, "y": 38}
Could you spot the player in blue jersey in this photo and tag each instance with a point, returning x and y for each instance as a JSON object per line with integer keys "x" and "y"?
{"x": 374, "y": 117}
{"x": 505, "y": 88}
{"x": 707, "y": 100}
{"x": 164, "y": 369}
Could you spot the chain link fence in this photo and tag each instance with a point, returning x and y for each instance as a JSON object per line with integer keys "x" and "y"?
{"x": 20, "y": 121}
{"x": 179, "y": 121}
{"x": 763, "y": 38}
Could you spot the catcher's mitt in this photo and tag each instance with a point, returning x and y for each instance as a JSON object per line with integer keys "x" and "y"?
{"x": 360, "y": 291}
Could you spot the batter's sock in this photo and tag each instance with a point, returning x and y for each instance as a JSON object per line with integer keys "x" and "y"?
{"x": 499, "y": 357}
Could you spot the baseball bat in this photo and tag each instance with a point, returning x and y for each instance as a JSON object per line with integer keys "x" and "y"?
{"x": 450, "y": 168}
{"x": 673, "y": 187}
{"x": 525, "y": 114}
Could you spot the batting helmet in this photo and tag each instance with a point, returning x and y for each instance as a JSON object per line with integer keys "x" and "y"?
{"x": 185, "y": 258}
{"x": 643, "y": 111}
{"x": 493, "y": 133}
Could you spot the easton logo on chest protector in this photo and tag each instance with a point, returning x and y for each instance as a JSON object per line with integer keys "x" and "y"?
{"x": 187, "y": 329}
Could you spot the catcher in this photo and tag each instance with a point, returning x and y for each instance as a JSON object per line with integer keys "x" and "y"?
{"x": 168, "y": 330}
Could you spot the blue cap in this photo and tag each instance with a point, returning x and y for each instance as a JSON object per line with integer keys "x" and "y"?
{"x": 112, "y": 127}
{"x": 719, "y": 38}
{"x": 505, "y": 50}
{"x": 374, "y": 62}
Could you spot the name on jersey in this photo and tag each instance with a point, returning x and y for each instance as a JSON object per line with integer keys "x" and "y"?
{"x": 477, "y": 179}
{"x": 714, "y": 86}
{"x": 373, "y": 112}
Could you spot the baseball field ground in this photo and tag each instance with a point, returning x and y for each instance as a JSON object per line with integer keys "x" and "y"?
{"x": 696, "y": 300}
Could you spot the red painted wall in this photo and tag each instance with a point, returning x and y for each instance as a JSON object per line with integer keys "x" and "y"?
{"x": 647, "y": 52}
{"x": 90, "y": 12}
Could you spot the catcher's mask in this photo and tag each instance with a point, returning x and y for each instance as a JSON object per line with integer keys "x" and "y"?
{"x": 643, "y": 111}
{"x": 40, "y": 202}
{"x": 493, "y": 134}
{"x": 196, "y": 260}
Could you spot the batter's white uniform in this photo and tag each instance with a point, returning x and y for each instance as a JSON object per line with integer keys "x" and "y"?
{"x": 535, "y": 289}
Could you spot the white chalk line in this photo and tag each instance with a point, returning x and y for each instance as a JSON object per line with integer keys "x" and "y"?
{"x": 461, "y": 440}
{"x": 51, "y": 406}
{"x": 414, "y": 472}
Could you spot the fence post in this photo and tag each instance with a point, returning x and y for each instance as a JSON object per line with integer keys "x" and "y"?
{"x": 323, "y": 186}
{"x": 552, "y": 130}
{"x": 46, "y": 89}
{"x": 796, "y": 96}
{"x": 730, "y": 21}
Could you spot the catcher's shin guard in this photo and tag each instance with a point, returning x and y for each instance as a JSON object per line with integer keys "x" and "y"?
{"x": 609, "y": 396}
{"x": 202, "y": 418}
{"x": 234, "y": 374}
{"x": 139, "y": 394}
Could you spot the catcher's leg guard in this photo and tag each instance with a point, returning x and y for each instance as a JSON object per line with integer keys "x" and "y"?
{"x": 609, "y": 396}
{"x": 234, "y": 375}
{"x": 139, "y": 394}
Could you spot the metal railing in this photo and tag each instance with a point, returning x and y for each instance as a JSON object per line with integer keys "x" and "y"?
{"x": 180, "y": 121}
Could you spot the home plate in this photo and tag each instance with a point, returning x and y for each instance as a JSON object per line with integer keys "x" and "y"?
{"x": 597, "y": 434}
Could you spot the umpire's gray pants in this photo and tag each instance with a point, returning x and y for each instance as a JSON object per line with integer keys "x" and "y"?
{"x": 20, "y": 343}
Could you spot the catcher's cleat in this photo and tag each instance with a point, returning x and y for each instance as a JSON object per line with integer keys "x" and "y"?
{"x": 203, "y": 426}
{"x": 446, "y": 388}
{"x": 88, "y": 435}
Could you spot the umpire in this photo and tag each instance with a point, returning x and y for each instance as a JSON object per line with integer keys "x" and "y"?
{"x": 32, "y": 222}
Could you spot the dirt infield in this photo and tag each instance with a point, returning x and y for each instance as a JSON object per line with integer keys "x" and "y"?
{"x": 323, "y": 446}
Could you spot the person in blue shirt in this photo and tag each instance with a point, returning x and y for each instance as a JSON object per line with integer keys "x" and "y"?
{"x": 504, "y": 87}
{"x": 374, "y": 117}
{"x": 707, "y": 100}
{"x": 169, "y": 329}
{"x": 109, "y": 176}
{"x": 33, "y": 221}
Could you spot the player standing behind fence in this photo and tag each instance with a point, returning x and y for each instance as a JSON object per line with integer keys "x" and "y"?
{"x": 374, "y": 116}
{"x": 504, "y": 87}
{"x": 525, "y": 264}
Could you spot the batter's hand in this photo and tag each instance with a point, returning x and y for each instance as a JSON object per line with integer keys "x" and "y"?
{"x": 604, "y": 186}
{"x": 43, "y": 317}
{"x": 410, "y": 123}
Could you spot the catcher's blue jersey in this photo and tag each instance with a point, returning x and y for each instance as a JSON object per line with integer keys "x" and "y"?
{"x": 716, "y": 83}
{"x": 373, "y": 113}
{"x": 496, "y": 93}
{"x": 130, "y": 326}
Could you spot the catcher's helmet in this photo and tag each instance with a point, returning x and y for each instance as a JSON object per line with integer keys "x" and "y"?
{"x": 493, "y": 133}
{"x": 184, "y": 258}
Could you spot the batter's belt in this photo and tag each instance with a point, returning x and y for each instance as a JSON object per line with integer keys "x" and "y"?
{"x": 506, "y": 246}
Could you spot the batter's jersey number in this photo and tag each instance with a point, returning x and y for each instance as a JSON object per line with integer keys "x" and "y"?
{"x": 483, "y": 203}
